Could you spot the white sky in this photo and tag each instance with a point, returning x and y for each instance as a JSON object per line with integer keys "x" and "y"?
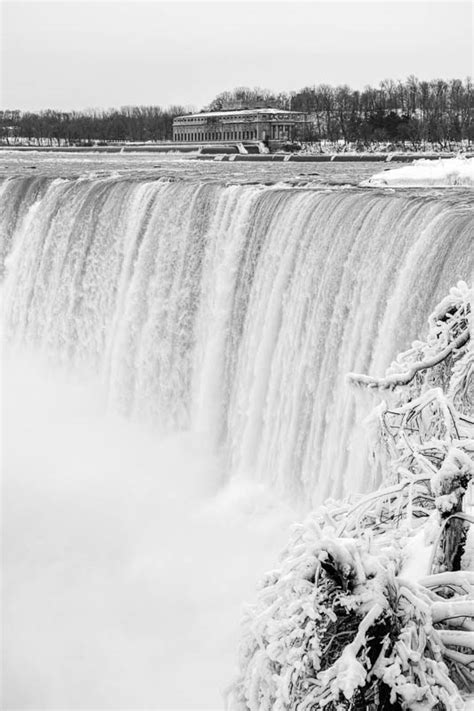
{"x": 77, "y": 54}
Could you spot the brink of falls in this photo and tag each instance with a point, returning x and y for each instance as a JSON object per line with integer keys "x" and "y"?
{"x": 231, "y": 311}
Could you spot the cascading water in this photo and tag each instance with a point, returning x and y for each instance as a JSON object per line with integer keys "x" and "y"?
{"x": 232, "y": 311}
{"x": 222, "y": 318}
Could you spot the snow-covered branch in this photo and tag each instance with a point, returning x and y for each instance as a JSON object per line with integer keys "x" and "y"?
{"x": 395, "y": 379}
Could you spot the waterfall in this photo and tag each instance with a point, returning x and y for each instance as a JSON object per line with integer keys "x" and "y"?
{"x": 233, "y": 311}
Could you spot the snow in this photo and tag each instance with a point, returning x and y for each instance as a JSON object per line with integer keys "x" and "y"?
{"x": 417, "y": 556}
{"x": 448, "y": 172}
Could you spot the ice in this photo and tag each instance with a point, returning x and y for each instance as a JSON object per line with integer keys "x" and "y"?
{"x": 449, "y": 172}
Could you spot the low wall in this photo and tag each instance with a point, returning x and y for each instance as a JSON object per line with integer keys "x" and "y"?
{"x": 335, "y": 158}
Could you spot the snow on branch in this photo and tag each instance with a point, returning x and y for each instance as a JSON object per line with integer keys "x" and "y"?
{"x": 395, "y": 379}
{"x": 449, "y": 333}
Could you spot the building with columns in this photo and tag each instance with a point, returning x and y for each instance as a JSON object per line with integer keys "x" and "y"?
{"x": 271, "y": 126}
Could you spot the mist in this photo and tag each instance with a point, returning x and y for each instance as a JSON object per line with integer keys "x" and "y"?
{"x": 124, "y": 570}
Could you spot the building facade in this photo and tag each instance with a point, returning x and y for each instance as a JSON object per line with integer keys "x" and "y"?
{"x": 267, "y": 125}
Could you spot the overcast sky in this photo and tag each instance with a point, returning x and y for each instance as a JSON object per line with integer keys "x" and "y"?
{"x": 84, "y": 54}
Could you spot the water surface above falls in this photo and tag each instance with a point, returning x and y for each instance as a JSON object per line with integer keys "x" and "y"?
{"x": 206, "y": 299}
{"x": 153, "y": 166}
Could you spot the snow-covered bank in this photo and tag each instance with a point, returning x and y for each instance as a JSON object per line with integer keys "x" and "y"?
{"x": 451, "y": 172}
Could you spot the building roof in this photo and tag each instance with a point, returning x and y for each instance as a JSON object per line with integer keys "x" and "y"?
{"x": 241, "y": 112}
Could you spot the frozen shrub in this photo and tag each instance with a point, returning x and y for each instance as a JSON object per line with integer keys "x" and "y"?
{"x": 371, "y": 606}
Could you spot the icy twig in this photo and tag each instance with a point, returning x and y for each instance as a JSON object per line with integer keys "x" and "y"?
{"x": 395, "y": 379}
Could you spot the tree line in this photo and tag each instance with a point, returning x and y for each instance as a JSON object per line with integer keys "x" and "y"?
{"x": 128, "y": 123}
{"x": 437, "y": 111}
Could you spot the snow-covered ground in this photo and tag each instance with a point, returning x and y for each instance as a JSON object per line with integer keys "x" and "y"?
{"x": 448, "y": 172}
